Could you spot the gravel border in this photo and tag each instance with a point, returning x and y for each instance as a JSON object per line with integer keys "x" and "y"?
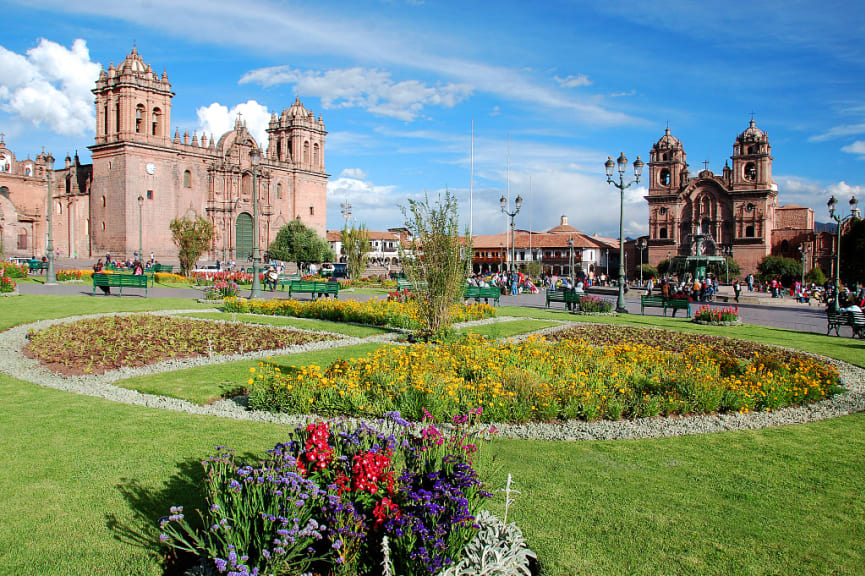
{"x": 15, "y": 364}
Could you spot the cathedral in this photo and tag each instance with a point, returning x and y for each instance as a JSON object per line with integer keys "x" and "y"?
{"x": 142, "y": 177}
{"x": 735, "y": 213}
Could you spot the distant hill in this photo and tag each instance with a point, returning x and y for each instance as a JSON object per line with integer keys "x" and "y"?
{"x": 830, "y": 227}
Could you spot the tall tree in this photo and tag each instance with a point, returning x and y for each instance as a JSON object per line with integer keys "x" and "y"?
{"x": 435, "y": 262}
{"x": 355, "y": 247}
{"x": 852, "y": 251}
{"x": 192, "y": 236}
{"x": 295, "y": 242}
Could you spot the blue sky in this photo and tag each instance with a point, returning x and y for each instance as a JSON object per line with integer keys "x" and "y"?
{"x": 399, "y": 84}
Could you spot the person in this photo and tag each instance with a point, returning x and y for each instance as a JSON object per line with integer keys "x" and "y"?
{"x": 650, "y": 285}
{"x": 98, "y": 267}
{"x": 750, "y": 280}
{"x": 271, "y": 278}
{"x": 737, "y": 289}
{"x": 137, "y": 268}
{"x": 107, "y": 258}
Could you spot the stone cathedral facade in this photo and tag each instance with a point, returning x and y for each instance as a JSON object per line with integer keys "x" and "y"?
{"x": 142, "y": 177}
{"x": 734, "y": 212}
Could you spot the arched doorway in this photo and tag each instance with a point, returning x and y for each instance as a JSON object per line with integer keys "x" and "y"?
{"x": 243, "y": 237}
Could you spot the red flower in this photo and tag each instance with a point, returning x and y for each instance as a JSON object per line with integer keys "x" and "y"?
{"x": 384, "y": 510}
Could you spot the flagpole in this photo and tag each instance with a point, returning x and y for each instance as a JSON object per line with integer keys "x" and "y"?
{"x": 472, "y": 182}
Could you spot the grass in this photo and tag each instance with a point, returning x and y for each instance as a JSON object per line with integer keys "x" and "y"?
{"x": 204, "y": 384}
{"x": 85, "y": 480}
{"x": 846, "y": 349}
{"x": 85, "y": 488}
{"x": 303, "y": 323}
{"x": 509, "y": 328}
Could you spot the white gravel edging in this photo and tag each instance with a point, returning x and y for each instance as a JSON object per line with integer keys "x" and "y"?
{"x": 15, "y": 364}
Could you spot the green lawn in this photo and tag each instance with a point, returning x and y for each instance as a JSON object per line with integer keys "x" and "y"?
{"x": 507, "y": 329}
{"x": 85, "y": 480}
{"x": 205, "y": 384}
{"x": 846, "y": 349}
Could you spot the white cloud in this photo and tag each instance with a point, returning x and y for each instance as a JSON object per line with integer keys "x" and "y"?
{"x": 857, "y": 147}
{"x": 838, "y": 131}
{"x": 378, "y": 207}
{"x": 50, "y": 86}
{"x": 355, "y": 173}
{"x": 366, "y": 88}
{"x": 842, "y": 190}
{"x": 574, "y": 81}
{"x": 217, "y": 119}
{"x": 632, "y": 92}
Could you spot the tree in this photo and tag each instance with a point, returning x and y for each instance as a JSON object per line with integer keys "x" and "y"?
{"x": 438, "y": 263}
{"x": 772, "y": 267}
{"x": 664, "y": 267}
{"x": 648, "y": 271}
{"x": 295, "y": 242}
{"x": 192, "y": 236}
{"x": 816, "y": 276}
{"x": 355, "y": 247}
{"x": 852, "y": 249}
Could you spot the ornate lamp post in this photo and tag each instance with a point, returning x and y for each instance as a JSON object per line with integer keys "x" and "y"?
{"x": 50, "y": 277}
{"x": 140, "y": 228}
{"x": 255, "y": 159}
{"x": 642, "y": 244}
{"x": 518, "y": 203}
{"x": 622, "y": 162}
{"x": 804, "y": 251}
{"x": 571, "y": 261}
{"x": 841, "y": 220}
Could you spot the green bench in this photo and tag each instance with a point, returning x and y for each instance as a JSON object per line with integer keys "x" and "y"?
{"x": 121, "y": 281}
{"x": 674, "y": 304}
{"x": 403, "y": 284}
{"x": 149, "y": 274}
{"x": 485, "y": 292}
{"x": 855, "y": 320}
{"x": 285, "y": 279}
{"x": 37, "y": 266}
{"x": 567, "y": 297}
{"x": 315, "y": 288}
{"x": 162, "y": 268}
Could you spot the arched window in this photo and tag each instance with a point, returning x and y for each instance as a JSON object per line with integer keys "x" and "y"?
{"x": 279, "y": 191}
{"x": 187, "y": 179}
{"x": 116, "y": 118}
{"x": 103, "y": 226}
{"x": 312, "y": 210}
{"x": 664, "y": 179}
{"x": 315, "y": 155}
{"x": 59, "y": 208}
{"x": 662, "y": 233}
{"x": 103, "y": 201}
{"x": 749, "y": 231}
{"x": 105, "y": 121}
{"x": 750, "y": 172}
{"x": 306, "y": 152}
{"x": 278, "y": 149}
{"x": 155, "y": 128}
{"x": 139, "y": 118}
{"x": 22, "y": 239}
{"x": 69, "y": 184}
{"x": 4, "y": 191}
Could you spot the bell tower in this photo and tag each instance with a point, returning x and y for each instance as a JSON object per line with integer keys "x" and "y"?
{"x": 668, "y": 167}
{"x": 752, "y": 161}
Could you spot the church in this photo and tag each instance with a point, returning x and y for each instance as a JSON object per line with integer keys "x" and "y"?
{"x": 142, "y": 177}
{"x": 735, "y": 213}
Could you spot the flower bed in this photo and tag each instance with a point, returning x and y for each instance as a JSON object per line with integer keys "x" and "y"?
{"x": 68, "y": 275}
{"x": 221, "y": 289}
{"x": 335, "y": 501}
{"x": 727, "y": 316}
{"x": 12, "y": 270}
{"x": 374, "y": 312}
{"x": 110, "y": 342}
{"x": 543, "y": 380}
{"x": 7, "y": 285}
{"x": 595, "y": 305}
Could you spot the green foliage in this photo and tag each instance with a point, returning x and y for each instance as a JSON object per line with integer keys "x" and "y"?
{"x": 852, "y": 249}
{"x": 816, "y": 276}
{"x": 355, "y": 247}
{"x": 648, "y": 271}
{"x": 498, "y": 548}
{"x": 295, "y": 242}
{"x": 192, "y": 236}
{"x": 664, "y": 267}
{"x": 533, "y": 269}
{"x": 771, "y": 267}
{"x": 438, "y": 263}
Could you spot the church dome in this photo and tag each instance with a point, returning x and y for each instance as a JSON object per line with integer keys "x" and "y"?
{"x": 667, "y": 141}
{"x": 752, "y": 133}
{"x": 297, "y": 110}
{"x": 133, "y": 63}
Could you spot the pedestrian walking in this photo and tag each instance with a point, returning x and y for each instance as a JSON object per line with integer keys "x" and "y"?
{"x": 737, "y": 289}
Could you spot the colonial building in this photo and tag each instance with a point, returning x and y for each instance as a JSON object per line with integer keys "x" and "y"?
{"x": 142, "y": 178}
{"x": 736, "y": 212}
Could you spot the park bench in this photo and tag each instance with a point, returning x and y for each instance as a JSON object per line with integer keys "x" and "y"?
{"x": 485, "y": 292}
{"x": 119, "y": 281}
{"x": 315, "y": 288}
{"x": 674, "y": 304}
{"x": 149, "y": 274}
{"x": 162, "y": 268}
{"x": 568, "y": 297}
{"x": 285, "y": 279}
{"x": 37, "y": 266}
{"x": 403, "y": 284}
{"x": 855, "y": 320}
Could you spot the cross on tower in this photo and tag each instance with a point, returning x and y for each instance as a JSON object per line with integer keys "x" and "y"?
{"x": 752, "y": 116}
{"x": 706, "y": 165}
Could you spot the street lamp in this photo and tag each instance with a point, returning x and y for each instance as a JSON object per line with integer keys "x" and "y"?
{"x": 50, "y": 277}
{"x": 727, "y": 250}
{"x": 804, "y": 251}
{"x": 621, "y": 185}
{"x": 255, "y": 159}
{"x": 518, "y": 203}
{"x": 571, "y": 261}
{"x": 841, "y": 220}
{"x": 140, "y": 243}
{"x": 642, "y": 244}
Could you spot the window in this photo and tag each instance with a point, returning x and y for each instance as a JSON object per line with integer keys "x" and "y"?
{"x": 187, "y": 179}
{"x": 665, "y": 177}
{"x": 279, "y": 191}
{"x": 315, "y": 155}
{"x": 750, "y": 172}
{"x": 749, "y": 231}
{"x": 28, "y": 170}
{"x": 4, "y": 191}
{"x": 312, "y": 210}
{"x": 86, "y": 227}
{"x": 59, "y": 208}
{"x": 662, "y": 233}
{"x": 105, "y": 120}
{"x": 155, "y": 122}
{"x": 139, "y": 118}
{"x": 150, "y": 194}
{"x": 103, "y": 226}
{"x": 22, "y": 239}
{"x": 117, "y": 117}
{"x": 103, "y": 201}
{"x": 306, "y": 152}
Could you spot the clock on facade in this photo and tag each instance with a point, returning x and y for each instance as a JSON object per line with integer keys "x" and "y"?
{"x": 150, "y": 168}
